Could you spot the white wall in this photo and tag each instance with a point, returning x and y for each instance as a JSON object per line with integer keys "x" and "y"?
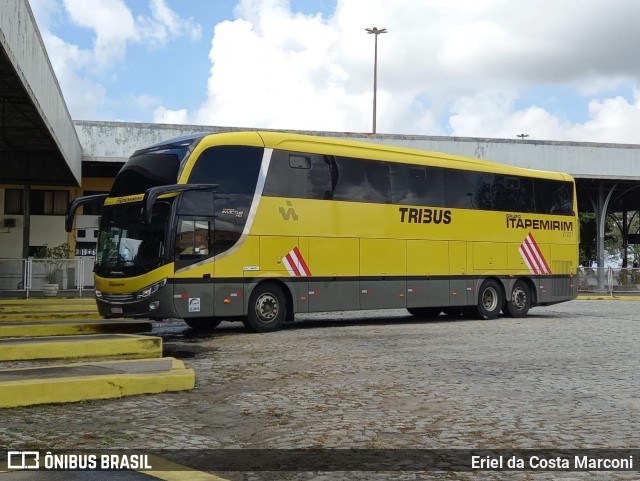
{"x": 47, "y": 229}
{"x": 10, "y": 237}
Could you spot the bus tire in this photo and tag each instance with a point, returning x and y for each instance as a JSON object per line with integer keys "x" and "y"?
{"x": 519, "y": 302}
{"x": 203, "y": 323}
{"x": 267, "y": 308}
{"x": 490, "y": 300}
{"x": 428, "y": 312}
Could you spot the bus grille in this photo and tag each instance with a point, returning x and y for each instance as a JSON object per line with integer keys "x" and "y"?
{"x": 118, "y": 297}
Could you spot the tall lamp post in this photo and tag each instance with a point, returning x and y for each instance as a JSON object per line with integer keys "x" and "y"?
{"x": 375, "y": 31}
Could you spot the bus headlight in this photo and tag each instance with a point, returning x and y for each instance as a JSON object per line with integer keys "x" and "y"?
{"x": 98, "y": 294}
{"x": 153, "y": 288}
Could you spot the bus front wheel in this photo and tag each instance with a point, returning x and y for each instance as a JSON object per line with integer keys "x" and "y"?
{"x": 490, "y": 300}
{"x": 519, "y": 303}
{"x": 267, "y": 308}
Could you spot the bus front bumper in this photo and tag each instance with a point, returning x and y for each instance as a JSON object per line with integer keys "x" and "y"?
{"x": 158, "y": 305}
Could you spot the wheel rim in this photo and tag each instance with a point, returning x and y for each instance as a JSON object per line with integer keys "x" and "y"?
{"x": 490, "y": 299}
{"x": 519, "y": 298}
{"x": 267, "y": 307}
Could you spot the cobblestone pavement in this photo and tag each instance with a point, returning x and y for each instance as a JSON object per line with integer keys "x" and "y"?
{"x": 564, "y": 377}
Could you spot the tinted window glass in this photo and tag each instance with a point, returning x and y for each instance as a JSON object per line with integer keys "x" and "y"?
{"x": 148, "y": 170}
{"x": 553, "y": 197}
{"x": 300, "y": 161}
{"x": 283, "y": 180}
{"x": 313, "y": 176}
{"x": 128, "y": 247}
{"x": 48, "y": 202}
{"x": 468, "y": 190}
{"x": 513, "y": 194}
{"x": 13, "y": 201}
{"x": 293, "y": 175}
{"x": 362, "y": 180}
{"x": 416, "y": 185}
{"x": 197, "y": 203}
{"x": 234, "y": 169}
{"x": 193, "y": 240}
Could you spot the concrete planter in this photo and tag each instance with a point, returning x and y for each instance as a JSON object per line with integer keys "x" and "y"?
{"x": 50, "y": 290}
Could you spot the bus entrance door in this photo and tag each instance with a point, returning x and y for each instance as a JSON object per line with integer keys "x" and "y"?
{"x": 193, "y": 282}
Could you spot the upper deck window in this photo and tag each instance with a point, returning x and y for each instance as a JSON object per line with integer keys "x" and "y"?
{"x": 147, "y": 170}
{"x": 234, "y": 168}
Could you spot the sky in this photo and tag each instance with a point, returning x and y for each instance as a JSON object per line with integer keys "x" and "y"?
{"x": 549, "y": 69}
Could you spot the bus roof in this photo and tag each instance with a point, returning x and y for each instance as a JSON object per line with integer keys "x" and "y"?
{"x": 183, "y": 140}
{"x": 353, "y": 148}
{"x": 392, "y": 153}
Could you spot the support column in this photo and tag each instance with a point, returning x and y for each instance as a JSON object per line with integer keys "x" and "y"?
{"x": 601, "y": 217}
{"x": 602, "y": 208}
{"x": 26, "y": 222}
{"x": 625, "y": 238}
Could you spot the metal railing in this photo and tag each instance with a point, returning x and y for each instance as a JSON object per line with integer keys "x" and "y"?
{"x": 610, "y": 280}
{"x": 75, "y": 277}
{"x": 22, "y": 277}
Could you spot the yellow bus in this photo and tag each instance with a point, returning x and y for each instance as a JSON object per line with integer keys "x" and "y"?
{"x": 258, "y": 226}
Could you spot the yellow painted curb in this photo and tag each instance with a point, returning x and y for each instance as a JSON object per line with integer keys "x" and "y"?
{"x": 116, "y": 379}
{"x": 607, "y": 297}
{"x": 48, "y": 308}
{"x": 36, "y": 309}
{"x": 170, "y": 471}
{"x": 48, "y": 316}
{"x": 12, "y": 304}
{"x": 66, "y": 347}
{"x": 41, "y": 328}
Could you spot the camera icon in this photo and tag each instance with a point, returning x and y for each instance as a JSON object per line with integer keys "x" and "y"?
{"x": 23, "y": 460}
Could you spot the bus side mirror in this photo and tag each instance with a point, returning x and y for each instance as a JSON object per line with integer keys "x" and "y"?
{"x": 77, "y": 203}
{"x": 152, "y": 194}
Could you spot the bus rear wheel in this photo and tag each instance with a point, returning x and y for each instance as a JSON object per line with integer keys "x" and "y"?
{"x": 519, "y": 303}
{"x": 203, "y": 323}
{"x": 267, "y": 308}
{"x": 490, "y": 300}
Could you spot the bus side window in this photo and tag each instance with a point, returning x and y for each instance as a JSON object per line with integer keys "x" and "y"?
{"x": 299, "y": 162}
{"x": 192, "y": 239}
{"x": 184, "y": 237}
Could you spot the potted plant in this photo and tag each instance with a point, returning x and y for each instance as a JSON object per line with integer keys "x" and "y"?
{"x": 53, "y": 259}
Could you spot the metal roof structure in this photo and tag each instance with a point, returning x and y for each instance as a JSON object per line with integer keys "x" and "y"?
{"x": 38, "y": 143}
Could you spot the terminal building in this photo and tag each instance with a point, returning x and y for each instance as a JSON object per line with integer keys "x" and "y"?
{"x": 47, "y": 158}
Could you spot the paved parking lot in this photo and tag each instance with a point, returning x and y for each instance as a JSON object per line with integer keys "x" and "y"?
{"x": 564, "y": 377}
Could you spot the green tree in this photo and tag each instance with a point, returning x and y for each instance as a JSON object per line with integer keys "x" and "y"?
{"x": 588, "y": 237}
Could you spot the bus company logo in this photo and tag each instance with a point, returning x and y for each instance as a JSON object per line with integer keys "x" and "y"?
{"x": 295, "y": 264}
{"x": 129, "y": 199}
{"x": 533, "y": 257}
{"x": 515, "y": 221}
{"x": 412, "y": 215}
{"x": 290, "y": 213}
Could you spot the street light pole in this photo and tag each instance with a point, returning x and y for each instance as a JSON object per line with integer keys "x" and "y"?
{"x": 375, "y": 31}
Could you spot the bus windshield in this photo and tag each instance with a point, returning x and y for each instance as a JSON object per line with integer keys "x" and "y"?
{"x": 128, "y": 247}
